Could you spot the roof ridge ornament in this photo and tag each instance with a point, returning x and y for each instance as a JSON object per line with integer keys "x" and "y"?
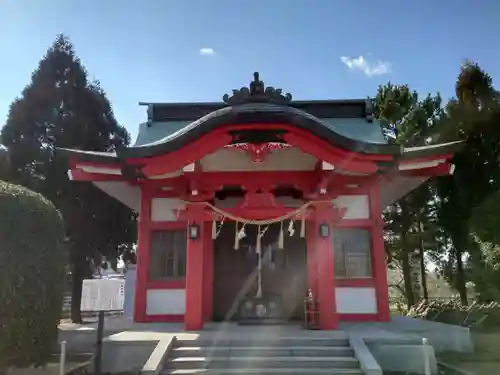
{"x": 257, "y": 92}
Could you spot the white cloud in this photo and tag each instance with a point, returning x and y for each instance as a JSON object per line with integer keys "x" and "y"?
{"x": 368, "y": 68}
{"x": 206, "y": 51}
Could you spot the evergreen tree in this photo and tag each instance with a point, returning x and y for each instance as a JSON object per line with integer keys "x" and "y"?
{"x": 61, "y": 108}
{"x": 473, "y": 117}
{"x": 408, "y": 121}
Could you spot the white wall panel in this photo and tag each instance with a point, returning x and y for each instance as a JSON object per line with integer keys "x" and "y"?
{"x": 357, "y": 206}
{"x": 124, "y": 192}
{"x": 352, "y": 300}
{"x": 166, "y": 301}
{"x": 163, "y": 209}
{"x": 232, "y": 160}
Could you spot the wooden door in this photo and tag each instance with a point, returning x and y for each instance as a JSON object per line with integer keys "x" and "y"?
{"x": 284, "y": 271}
{"x": 232, "y": 272}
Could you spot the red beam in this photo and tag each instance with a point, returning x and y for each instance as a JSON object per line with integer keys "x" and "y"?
{"x": 167, "y": 284}
{"x": 302, "y": 139}
{"x": 212, "y": 141}
{"x": 163, "y": 318}
{"x": 309, "y": 137}
{"x": 324, "y": 151}
{"x": 261, "y": 214}
{"x": 356, "y": 283}
{"x": 216, "y": 180}
{"x": 192, "y": 152}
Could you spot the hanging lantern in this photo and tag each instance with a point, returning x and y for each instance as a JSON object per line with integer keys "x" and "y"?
{"x": 194, "y": 231}
{"x": 324, "y": 230}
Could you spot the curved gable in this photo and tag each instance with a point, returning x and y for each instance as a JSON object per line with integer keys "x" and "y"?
{"x": 262, "y": 114}
{"x": 357, "y": 129}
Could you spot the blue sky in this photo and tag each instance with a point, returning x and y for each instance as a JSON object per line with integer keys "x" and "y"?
{"x": 197, "y": 50}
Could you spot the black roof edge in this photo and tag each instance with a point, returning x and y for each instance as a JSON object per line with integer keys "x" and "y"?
{"x": 222, "y": 104}
{"x": 89, "y": 156}
{"x": 345, "y": 108}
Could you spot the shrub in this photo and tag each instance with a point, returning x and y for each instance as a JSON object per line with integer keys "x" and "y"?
{"x": 32, "y": 260}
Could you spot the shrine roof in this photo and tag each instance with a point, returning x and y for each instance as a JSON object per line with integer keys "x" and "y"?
{"x": 356, "y": 128}
{"x": 257, "y": 113}
{"x": 261, "y": 113}
{"x": 347, "y": 124}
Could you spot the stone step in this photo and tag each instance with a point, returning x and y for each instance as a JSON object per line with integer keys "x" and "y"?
{"x": 305, "y": 363}
{"x": 261, "y": 351}
{"x": 261, "y": 341}
{"x": 265, "y": 371}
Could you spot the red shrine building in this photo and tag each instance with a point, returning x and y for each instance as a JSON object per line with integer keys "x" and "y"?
{"x": 248, "y": 205}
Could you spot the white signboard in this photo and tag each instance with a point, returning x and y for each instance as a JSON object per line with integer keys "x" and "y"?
{"x": 103, "y": 295}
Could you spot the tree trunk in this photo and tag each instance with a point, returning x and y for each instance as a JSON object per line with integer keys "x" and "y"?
{"x": 423, "y": 276}
{"x": 461, "y": 278}
{"x": 423, "y": 271}
{"x": 460, "y": 237}
{"x": 405, "y": 253}
{"x": 78, "y": 273}
{"x": 405, "y": 265}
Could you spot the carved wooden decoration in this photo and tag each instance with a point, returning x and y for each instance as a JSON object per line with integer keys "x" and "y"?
{"x": 258, "y": 152}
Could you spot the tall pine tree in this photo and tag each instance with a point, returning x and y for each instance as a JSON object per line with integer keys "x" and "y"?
{"x": 473, "y": 117}
{"x": 61, "y": 108}
{"x": 409, "y": 121}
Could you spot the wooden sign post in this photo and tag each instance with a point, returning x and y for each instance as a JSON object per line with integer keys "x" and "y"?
{"x": 100, "y": 295}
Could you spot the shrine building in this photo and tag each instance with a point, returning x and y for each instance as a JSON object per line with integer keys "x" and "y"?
{"x": 248, "y": 205}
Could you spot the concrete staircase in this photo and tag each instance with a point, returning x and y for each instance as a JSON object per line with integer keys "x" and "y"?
{"x": 254, "y": 356}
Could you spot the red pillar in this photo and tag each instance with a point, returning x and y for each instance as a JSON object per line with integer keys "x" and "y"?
{"x": 379, "y": 265}
{"x": 312, "y": 266}
{"x": 193, "y": 316}
{"x": 328, "y": 318}
{"x": 143, "y": 245}
{"x": 208, "y": 274}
